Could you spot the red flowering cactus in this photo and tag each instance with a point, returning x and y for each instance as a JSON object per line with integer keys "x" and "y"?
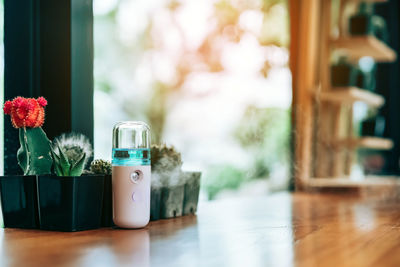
{"x": 34, "y": 154}
{"x": 26, "y": 112}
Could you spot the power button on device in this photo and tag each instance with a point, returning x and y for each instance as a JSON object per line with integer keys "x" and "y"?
{"x": 136, "y": 176}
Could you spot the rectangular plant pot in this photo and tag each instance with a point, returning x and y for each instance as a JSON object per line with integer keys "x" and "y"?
{"x": 107, "y": 208}
{"x": 171, "y": 201}
{"x": 155, "y": 203}
{"x": 366, "y": 24}
{"x": 192, "y": 191}
{"x": 70, "y": 203}
{"x": 343, "y": 75}
{"x": 19, "y": 201}
{"x": 373, "y": 127}
{"x": 360, "y": 24}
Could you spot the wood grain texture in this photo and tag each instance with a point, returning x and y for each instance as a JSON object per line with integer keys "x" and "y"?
{"x": 338, "y": 153}
{"x": 351, "y": 154}
{"x": 324, "y": 156}
{"x": 279, "y": 230}
{"x": 304, "y": 34}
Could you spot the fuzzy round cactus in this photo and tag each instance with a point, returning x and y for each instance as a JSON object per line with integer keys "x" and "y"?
{"x": 74, "y": 145}
{"x": 166, "y": 165}
{"x": 100, "y": 166}
{"x": 71, "y": 153}
{"x": 164, "y": 158}
{"x": 27, "y": 115}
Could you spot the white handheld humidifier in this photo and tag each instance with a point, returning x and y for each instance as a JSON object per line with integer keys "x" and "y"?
{"x": 131, "y": 174}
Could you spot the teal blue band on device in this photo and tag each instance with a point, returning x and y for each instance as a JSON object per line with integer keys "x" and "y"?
{"x": 131, "y": 157}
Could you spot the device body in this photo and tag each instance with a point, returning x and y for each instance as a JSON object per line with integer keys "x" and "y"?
{"x": 131, "y": 174}
{"x": 131, "y": 196}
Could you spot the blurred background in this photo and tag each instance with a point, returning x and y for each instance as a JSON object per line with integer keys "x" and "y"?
{"x": 212, "y": 79}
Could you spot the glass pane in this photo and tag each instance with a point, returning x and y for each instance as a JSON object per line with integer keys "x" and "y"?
{"x": 209, "y": 77}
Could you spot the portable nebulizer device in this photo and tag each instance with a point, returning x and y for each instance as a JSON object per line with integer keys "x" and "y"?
{"x": 131, "y": 174}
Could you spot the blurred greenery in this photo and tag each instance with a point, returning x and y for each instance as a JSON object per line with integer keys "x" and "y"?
{"x": 228, "y": 16}
{"x": 222, "y": 177}
{"x": 263, "y": 132}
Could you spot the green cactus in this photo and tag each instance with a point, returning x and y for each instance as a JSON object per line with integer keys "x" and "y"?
{"x": 73, "y": 153}
{"x": 164, "y": 158}
{"x": 70, "y": 154}
{"x": 74, "y": 145}
{"x": 100, "y": 166}
{"x": 166, "y": 165}
{"x": 34, "y": 155}
{"x": 63, "y": 166}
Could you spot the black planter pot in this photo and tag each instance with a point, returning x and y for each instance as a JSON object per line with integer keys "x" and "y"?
{"x": 70, "y": 203}
{"x": 172, "y": 201}
{"x": 366, "y": 80}
{"x": 19, "y": 201}
{"x": 365, "y": 24}
{"x": 107, "y": 208}
{"x": 192, "y": 191}
{"x": 361, "y": 24}
{"x": 343, "y": 74}
{"x": 373, "y": 127}
{"x": 155, "y": 202}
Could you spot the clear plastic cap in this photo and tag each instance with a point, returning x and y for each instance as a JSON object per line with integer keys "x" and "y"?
{"x": 131, "y": 135}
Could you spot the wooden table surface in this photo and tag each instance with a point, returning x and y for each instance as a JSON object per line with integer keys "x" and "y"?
{"x": 280, "y": 230}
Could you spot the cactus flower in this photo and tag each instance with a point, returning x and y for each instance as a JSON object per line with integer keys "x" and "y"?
{"x": 26, "y": 112}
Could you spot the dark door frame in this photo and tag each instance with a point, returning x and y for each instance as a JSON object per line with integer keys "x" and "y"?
{"x": 48, "y": 47}
{"x": 388, "y": 84}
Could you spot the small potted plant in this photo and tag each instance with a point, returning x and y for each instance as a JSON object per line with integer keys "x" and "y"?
{"x": 67, "y": 200}
{"x": 343, "y": 74}
{"x": 19, "y": 192}
{"x": 103, "y": 167}
{"x": 364, "y": 22}
{"x": 374, "y": 125}
{"x": 155, "y": 196}
{"x": 192, "y": 191}
{"x": 166, "y": 166}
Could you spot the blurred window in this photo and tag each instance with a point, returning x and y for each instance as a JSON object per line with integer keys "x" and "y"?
{"x": 211, "y": 77}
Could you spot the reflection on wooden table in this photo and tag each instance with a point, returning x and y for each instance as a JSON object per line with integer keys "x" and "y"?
{"x": 280, "y": 230}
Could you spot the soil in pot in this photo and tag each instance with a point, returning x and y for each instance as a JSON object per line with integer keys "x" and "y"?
{"x": 155, "y": 201}
{"x": 19, "y": 201}
{"x": 192, "y": 191}
{"x": 70, "y": 203}
{"x": 171, "y": 201}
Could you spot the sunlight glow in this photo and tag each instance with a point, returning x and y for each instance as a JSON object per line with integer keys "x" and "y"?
{"x": 194, "y": 70}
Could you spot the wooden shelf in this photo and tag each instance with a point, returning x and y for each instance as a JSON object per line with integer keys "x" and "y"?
{"x": 347, "y": 182}
{"x": 360, "y": 46}
{"x": 365, "y": 142}
{"x": 368, "y": 1}
{"x": 352, "y": 94}
{"x": 378, "y": 187}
